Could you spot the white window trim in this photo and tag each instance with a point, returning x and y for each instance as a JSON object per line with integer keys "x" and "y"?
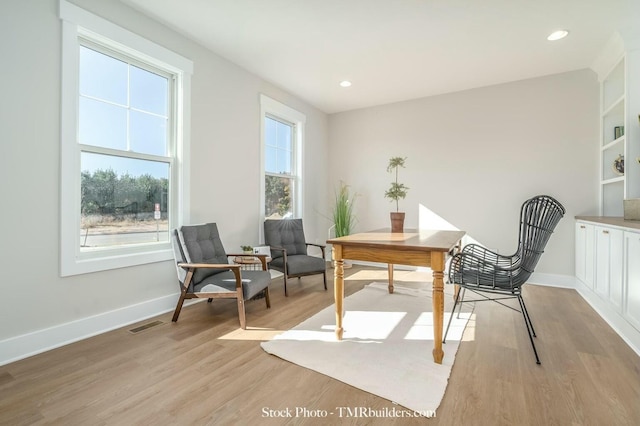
{"x": 78, "y": 22}
{"x": 269, "y": 106}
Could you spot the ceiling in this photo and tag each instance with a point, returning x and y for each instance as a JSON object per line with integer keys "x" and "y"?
{"x": 394, "y": 50}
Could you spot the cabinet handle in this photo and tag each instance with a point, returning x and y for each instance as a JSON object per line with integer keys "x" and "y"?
{"x": 582, "y": 226}
{"x": 605, "y": 232}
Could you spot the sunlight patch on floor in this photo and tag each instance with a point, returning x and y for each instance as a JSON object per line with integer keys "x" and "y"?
{"x": 469, "y": 333}
{"x": 364, "y": 326}
{"x": 370, "y": 324}
{"x": 252, "y": 333}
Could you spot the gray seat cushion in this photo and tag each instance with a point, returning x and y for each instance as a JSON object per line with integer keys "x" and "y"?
{"x": 253, "y": 282}
{"x": 299, "y": 264}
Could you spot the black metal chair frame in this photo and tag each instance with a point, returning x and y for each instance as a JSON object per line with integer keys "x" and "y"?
{"x": 480, "y": 270}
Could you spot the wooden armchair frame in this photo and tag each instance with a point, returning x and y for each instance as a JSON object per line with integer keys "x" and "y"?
{"x": 191, "y": 268}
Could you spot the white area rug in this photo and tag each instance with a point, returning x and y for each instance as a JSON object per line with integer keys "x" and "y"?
{"x": 386, "y": 346}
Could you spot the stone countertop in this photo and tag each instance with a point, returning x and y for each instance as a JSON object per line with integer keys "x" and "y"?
{"x": 609, "y": 220}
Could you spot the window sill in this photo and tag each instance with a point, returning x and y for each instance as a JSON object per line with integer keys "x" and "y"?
{"x": 77, "y": 266}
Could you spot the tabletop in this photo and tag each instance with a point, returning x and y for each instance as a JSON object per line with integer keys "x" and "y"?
{"x": 410, "y": 239}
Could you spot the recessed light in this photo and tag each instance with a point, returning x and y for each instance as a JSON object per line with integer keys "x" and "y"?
{"x": 345, "y": 83}
{"x": 557, "y": 35}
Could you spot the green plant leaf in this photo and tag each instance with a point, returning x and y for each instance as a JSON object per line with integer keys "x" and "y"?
{"x": 343, "y": 216}
{"x": 397, "y": 190}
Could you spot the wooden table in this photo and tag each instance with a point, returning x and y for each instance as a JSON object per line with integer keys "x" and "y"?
{"x": 414, "y": 248}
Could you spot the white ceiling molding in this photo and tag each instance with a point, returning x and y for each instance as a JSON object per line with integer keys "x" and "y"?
{"x": 608, "y": 56}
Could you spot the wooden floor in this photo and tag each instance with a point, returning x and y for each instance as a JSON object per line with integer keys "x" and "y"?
{"x": 201, "y": 370}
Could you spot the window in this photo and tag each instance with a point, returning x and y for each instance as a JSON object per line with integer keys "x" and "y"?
{"x": 124, "y": 140}
{"x": 279, "y": 176}
{"x": 124, "y": 145}
{"x": 282, "y": 134}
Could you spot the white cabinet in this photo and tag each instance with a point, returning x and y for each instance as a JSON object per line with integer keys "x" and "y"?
{"x": 585, "y": 253}
{"x": 608, "y": 264}
{"x": 632, "y": 278}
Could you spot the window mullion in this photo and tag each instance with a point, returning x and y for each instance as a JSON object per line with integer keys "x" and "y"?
{"x": 124, "y": 154}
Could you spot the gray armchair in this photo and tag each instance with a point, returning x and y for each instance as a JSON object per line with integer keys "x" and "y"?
{"x": 204, "y": 270}
{"x": 289, "y": 250}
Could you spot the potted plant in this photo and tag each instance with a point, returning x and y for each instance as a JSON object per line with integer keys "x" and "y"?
{"x": 247, "y": 249}
{"x": 396, "y": 192}
{"x": 343, "y": 217}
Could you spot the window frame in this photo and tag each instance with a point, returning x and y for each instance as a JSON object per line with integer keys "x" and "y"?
{"x": 79, "y": 26}
{"x": 278, "y": 111}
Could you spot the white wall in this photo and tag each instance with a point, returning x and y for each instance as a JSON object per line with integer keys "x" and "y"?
{"x": 474, "y": 156}
{"x": 225, "y": 130}
{"x": 501, "y": 143}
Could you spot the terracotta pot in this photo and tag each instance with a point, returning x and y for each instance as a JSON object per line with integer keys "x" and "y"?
{"x": 397, "y": 221}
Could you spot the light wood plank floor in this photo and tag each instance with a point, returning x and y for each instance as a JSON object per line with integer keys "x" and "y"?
{"x": 202, "y": 371}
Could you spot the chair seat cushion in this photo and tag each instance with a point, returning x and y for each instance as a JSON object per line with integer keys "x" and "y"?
{"x": 300, "y": 264}
{"x": 253, "y": 282}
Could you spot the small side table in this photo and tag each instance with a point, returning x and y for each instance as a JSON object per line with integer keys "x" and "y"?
{"x": 250, "y": 263}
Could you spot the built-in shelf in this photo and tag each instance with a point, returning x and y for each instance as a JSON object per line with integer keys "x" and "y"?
{"x": 613, "y": 180}
{"x": 613, "y": 138}
{"x": 619, "y": 103}
{"x": 613, "y": 143}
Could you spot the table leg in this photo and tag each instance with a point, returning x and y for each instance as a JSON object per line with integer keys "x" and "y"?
{"x": 338, "y": 288}
{"x": 390, "y": 268}
{"x": 437, "y": 265}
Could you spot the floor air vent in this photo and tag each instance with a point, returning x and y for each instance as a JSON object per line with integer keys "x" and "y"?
{"x": 145, "y": 327}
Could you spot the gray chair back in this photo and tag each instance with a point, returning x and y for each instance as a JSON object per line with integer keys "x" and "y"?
{"x": 287, "y": 234}
{"x": 203, "y": 245}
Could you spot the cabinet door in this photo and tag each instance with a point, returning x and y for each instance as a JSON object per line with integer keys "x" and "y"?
{"x": 603, "y": 236}
{"x": 616, "y": 268}
{"x": 632, "y": 278}
{"x": 585, "y": 253}
{"x": 608, "y": 282}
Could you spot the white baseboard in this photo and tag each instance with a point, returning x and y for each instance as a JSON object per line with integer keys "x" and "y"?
{"x": 616, "y": 321}
{"x": 552, "y": 280}
{"x": 26, "y": 345}
{"x": 621, "y": 326}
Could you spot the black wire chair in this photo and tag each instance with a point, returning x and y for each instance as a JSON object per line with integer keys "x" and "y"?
{"x": 480, "y": 270}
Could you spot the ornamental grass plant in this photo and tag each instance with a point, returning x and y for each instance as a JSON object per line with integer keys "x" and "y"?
{"x": 343, "y": 215}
